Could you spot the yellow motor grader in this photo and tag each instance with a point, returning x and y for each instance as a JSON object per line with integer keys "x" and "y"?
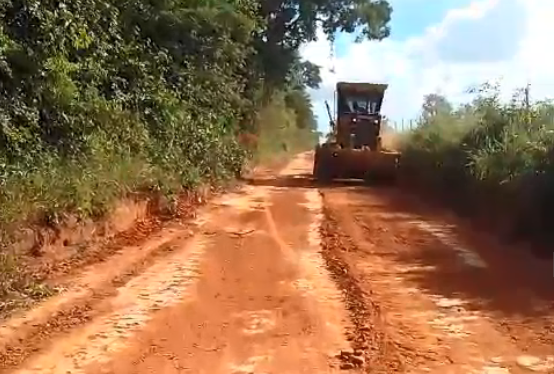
{"x": 354, "y": 149}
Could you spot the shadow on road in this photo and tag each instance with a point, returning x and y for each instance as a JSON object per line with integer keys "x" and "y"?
{"x": 514, "y": 283}
{"x": 305, "y": 180}
{"x": 298, "y": 181}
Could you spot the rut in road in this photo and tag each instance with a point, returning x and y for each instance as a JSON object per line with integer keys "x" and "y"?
{"x": 283, "y": 277}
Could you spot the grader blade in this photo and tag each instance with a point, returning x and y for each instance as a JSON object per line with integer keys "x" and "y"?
{"x": 332, "y": 164}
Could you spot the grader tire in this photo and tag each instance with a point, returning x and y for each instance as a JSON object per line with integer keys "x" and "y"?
{"x": 321, "y": 172}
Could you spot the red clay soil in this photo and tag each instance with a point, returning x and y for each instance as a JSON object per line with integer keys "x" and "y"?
{"x": 283, "y": 277}
{"x": 453, "y": 300}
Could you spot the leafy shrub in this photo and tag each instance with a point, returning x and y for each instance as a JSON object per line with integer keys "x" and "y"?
{"x": 491, "y": 147}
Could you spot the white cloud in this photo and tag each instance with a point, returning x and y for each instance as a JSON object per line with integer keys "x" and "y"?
{"x": 488, "y": 40}
{"x": 485, "y": 32}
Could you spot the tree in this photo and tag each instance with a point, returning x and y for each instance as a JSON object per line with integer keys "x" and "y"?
{"x": 290, "y": 23}
{"x": 299, "y": 101}
{"x": 303, "y": 74}
{"x": 435, "y": 104}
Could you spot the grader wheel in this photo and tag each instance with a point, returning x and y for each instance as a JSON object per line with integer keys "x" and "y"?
{"x": 322, "y": 171}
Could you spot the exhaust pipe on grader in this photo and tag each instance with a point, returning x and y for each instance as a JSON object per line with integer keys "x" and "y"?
{"x": 355, "y": 150}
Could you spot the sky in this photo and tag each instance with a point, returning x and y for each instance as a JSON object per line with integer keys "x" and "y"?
{"x": 446, "y": 47}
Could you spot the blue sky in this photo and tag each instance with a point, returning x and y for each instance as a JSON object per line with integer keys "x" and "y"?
{"x": 444, "y": 46}
{"x": 410, "y": 17}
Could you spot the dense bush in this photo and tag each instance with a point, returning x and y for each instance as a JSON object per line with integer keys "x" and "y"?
{"x": 489, "y": 151}
{"x": 103, "y": 97}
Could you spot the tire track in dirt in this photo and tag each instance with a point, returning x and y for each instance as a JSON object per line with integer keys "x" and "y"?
{"x": 86, "y": 297}
{"x": 163, "y": 284}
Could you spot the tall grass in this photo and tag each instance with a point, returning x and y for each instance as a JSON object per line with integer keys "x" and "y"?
{"x": 489, "y": 151}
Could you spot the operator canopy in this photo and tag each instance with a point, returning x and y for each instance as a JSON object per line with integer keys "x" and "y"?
{"x": 360, "y": 98}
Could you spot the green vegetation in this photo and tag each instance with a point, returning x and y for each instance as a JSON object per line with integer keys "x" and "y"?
{"x": 489, "y": 155}
{"x": 287, "y": 126}
{"x": 102, "y": 98}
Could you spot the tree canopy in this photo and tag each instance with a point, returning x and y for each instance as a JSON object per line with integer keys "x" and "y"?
{"x": 435, "y": 104}
{"x": 290, "y": 23}
{"x": 62, "y": 63}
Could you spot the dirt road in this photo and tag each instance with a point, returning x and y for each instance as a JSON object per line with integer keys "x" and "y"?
{"x": 282, "y": 277}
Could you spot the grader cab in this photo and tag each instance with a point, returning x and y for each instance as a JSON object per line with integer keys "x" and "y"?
{"x": 354, "y": 150}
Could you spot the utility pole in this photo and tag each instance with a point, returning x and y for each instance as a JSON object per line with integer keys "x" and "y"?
{"x": 332, "y": 57}
{"x": 527, "y": 89}
{"x": 527, "y": 103}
